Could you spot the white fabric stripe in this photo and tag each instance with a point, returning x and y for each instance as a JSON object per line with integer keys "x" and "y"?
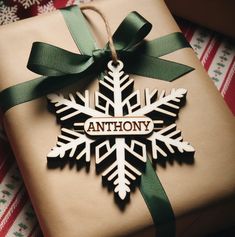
{"x": 221, "y": 62}
{"x": 14, "y": 179}
{"x": 228, "y": 80}
{"x": 23, "y": 224}
{"x": 199, "y": 41}
{"x": 12, "y": 208}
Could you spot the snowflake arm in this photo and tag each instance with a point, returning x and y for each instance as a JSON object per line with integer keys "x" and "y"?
{"x": 167, "y": 141}
{"x": 67, "y": 109}
{"x": 121, "y": 172}
{"x": 71, "y": 144}
{"x": 129, "y": 102}
{"x": 166, "y": 104}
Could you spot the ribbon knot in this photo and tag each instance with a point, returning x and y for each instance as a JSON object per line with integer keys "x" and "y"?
{"x": 101, "y": 55}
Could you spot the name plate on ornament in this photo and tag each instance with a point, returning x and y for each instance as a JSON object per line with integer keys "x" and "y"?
{"x": 115, "y": 126}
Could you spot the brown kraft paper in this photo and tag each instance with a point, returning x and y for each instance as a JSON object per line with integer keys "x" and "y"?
{"x": 72, "y": 201}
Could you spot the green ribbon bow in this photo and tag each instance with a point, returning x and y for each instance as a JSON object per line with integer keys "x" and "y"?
{"x": 62, "y": 68}
{"x": 139, "y": 57}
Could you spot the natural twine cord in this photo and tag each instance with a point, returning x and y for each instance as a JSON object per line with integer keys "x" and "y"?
{"x": 110, "y": 39}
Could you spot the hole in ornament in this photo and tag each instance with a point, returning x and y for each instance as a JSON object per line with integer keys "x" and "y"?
{"x": 115, "y": 64}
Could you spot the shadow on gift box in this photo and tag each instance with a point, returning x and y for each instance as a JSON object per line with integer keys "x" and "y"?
{"x": 72, "y": 163}
{"x": 175, "y": 159}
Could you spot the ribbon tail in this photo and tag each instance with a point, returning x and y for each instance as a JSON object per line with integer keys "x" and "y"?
{"x": 157, "y": 202}
{"x": 39, "y": 87}
{"x": 157, "y": 68}
{"x": 49, "y": 60}
{"x": 163, "y": 45}
{"x": 79, "y": 29}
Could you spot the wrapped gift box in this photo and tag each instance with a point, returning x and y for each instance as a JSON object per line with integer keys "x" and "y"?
{"x": 72, "y": 201}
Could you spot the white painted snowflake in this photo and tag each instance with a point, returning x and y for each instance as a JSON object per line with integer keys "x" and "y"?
{"x": 49, "y": 7}
{"x": 118, "y": 127}
{"x": 8, "y": 14}
{"x": 28, "y": 3}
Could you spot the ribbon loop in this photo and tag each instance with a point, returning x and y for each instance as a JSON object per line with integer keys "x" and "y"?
{"x": 133, "y": 29}
{"x": 49, "y": 60}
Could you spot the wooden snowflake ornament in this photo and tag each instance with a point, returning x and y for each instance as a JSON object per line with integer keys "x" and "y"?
{"x": 119, "y": 127}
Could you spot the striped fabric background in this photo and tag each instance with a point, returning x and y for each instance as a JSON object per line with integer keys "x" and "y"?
{"x": 217, "y": 55}
{"x": 216, "y": 52}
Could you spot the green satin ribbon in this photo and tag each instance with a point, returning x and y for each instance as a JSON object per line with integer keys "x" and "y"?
{"x": 62, "y": 68}
{"x": 157, "y": 202}
{"x": 139, "y": 57}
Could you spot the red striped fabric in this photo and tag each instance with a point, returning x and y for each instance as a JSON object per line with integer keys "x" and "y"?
{"x": 6, "y": 160}
{"x": 217, "y": 55}
{"x": 228, "y": 77}
{"x": 13, "y": 211}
